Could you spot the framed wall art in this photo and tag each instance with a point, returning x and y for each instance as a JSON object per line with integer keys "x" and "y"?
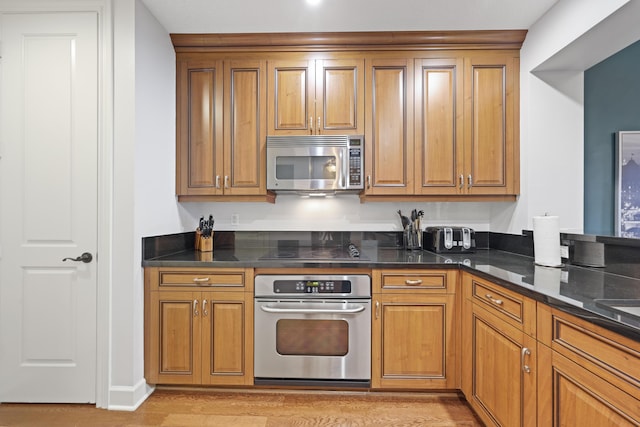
{"x": 628, "y": 184}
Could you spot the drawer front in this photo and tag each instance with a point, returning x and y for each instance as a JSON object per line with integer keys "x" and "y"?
{"x": 498, "y": 300}
{"x": 417, "y": 281}
{"x": 612, "y": 356}
{"x": 231, "y": 279}
{"x": 510, "y": 306}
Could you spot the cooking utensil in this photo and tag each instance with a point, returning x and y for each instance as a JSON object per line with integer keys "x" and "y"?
{"x": 404, "y": 220}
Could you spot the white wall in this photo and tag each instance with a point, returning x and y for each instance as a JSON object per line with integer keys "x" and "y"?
{"x": 143, "y": 195}
{"x": 571, "y": 37}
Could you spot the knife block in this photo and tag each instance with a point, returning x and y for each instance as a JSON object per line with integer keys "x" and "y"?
{"x": 203, "y": 244}
{"x": 206, "y": 243}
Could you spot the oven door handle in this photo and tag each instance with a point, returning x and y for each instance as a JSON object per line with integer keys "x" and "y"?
{"x": 268, "y": 309}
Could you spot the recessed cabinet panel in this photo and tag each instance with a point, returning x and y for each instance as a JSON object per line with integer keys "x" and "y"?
{"x": 225, "y": 331}
{"x": 203, "y": 132}
{"x": 290, "y": 94}
{"x": 488, "y": 125}
{"x": 491, "y": 125}
{"x": 176, "y": 353}
{"x": 199, "y": 128}
{"x": 423, "y": 354}
{"x": 389, "y": 137}
{"x": 438, "y": 134}
{"x": 245, "y": 119}
{"x": 340, "y": 96}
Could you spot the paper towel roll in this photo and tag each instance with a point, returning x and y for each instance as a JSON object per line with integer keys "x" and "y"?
{"x": 546, "y": 241}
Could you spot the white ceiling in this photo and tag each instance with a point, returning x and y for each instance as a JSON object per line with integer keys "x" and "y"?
{"x": 256, "y": 16}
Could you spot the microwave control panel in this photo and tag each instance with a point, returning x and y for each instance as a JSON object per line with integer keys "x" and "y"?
{"x": 355, "y": 163}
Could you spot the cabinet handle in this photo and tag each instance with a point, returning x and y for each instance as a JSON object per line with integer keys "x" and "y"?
{"x": 413, "y": 282}
{"x": 226, "y": 181}
{"x": 525, "y": 352}
{"x": 368, "y": 181}
{"x": 377, "y": 309}
{"x": 461, "y": 181}
{"x": 495, "y": 301}
{"x": 195, "y": 308}
{"x": 311, "y": 124}
{"x": 204, "y": 308}
{"x": 200, "y": 279}
{"x": 217, "y": 181}
{"x": 470, "y": 181}
{"x": 319, "y": 123}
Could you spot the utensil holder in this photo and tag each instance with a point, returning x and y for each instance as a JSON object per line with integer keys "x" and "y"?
{"x": 412, "y": 239}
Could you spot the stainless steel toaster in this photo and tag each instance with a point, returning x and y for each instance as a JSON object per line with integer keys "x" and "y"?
{"x": 443, "y": 239}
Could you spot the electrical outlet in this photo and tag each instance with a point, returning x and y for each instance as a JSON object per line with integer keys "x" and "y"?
{"x": 235, "y": 219}
{"x": 564, "y": 251}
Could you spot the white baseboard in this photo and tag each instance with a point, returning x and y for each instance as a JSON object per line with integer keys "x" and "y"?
{"x": 124, "y": 398}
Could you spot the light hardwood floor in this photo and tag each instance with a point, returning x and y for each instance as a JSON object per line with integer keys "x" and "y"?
{"x": 257, "y": 408}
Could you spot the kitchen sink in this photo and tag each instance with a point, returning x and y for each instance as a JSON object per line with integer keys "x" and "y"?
{"x": 621, "y": 306}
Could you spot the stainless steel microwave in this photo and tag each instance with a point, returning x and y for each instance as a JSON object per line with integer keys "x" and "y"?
{"x": 315, "y": 163}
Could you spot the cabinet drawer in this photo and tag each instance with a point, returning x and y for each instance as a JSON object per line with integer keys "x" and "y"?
{"x": 201, "y": 278}
{"x": 516, "y": 309}
{"x": 417, "y": 281}
{"x": 612, "y": 356}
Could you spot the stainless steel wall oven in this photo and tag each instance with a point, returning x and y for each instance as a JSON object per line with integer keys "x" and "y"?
{"x": 313, "y": 329}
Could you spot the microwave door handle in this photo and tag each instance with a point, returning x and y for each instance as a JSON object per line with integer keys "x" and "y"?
{"x": 343, "y": 171}
{"x": 268, "y": 309}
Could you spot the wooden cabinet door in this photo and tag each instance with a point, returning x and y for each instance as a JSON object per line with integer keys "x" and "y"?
{"x": 199, "y": 154}
{"x": 339, "y": 96}
{"x": 439, "y": 143}
{"x": 226, "y": 337}
{"x": 245, "y": 128}
{"x": 491, "y": 125}
{"x": 291, "y": 97}
{"x": 389, "y": 127}
{"x": 571, "y": 395}
{"x": 413, "y": 342}
{"x": 174, "y": 338}
{"x": 502, "y": 362}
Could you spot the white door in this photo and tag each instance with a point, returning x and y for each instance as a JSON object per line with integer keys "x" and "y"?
{"x": 48, "y": 206}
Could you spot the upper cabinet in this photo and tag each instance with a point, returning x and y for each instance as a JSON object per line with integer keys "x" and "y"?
{"x": 439, "y": 140}
{"x": 467, "y": 125}
{"x": 491, "y": 125}
{"x": 316, "y": 97}
{"x": 221, "y": 128}
{"x": 389, "y": 127}
{"x": 439, "y": 110}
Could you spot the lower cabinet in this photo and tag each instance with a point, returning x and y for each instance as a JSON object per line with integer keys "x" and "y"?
{"x": 587, "y": 375}
{"x": 498, "y": 358}
{"x": 414, "y": 330}
{"x": 199, "y": 337}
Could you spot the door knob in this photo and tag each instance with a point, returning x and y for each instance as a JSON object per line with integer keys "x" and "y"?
{"x": 85, "y": 257}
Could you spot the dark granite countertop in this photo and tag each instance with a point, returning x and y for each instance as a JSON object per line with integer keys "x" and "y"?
{"x": 590, "y": 293}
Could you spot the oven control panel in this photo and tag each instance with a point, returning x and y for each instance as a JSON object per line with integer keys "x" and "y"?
{"x": 312, "y": 287}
